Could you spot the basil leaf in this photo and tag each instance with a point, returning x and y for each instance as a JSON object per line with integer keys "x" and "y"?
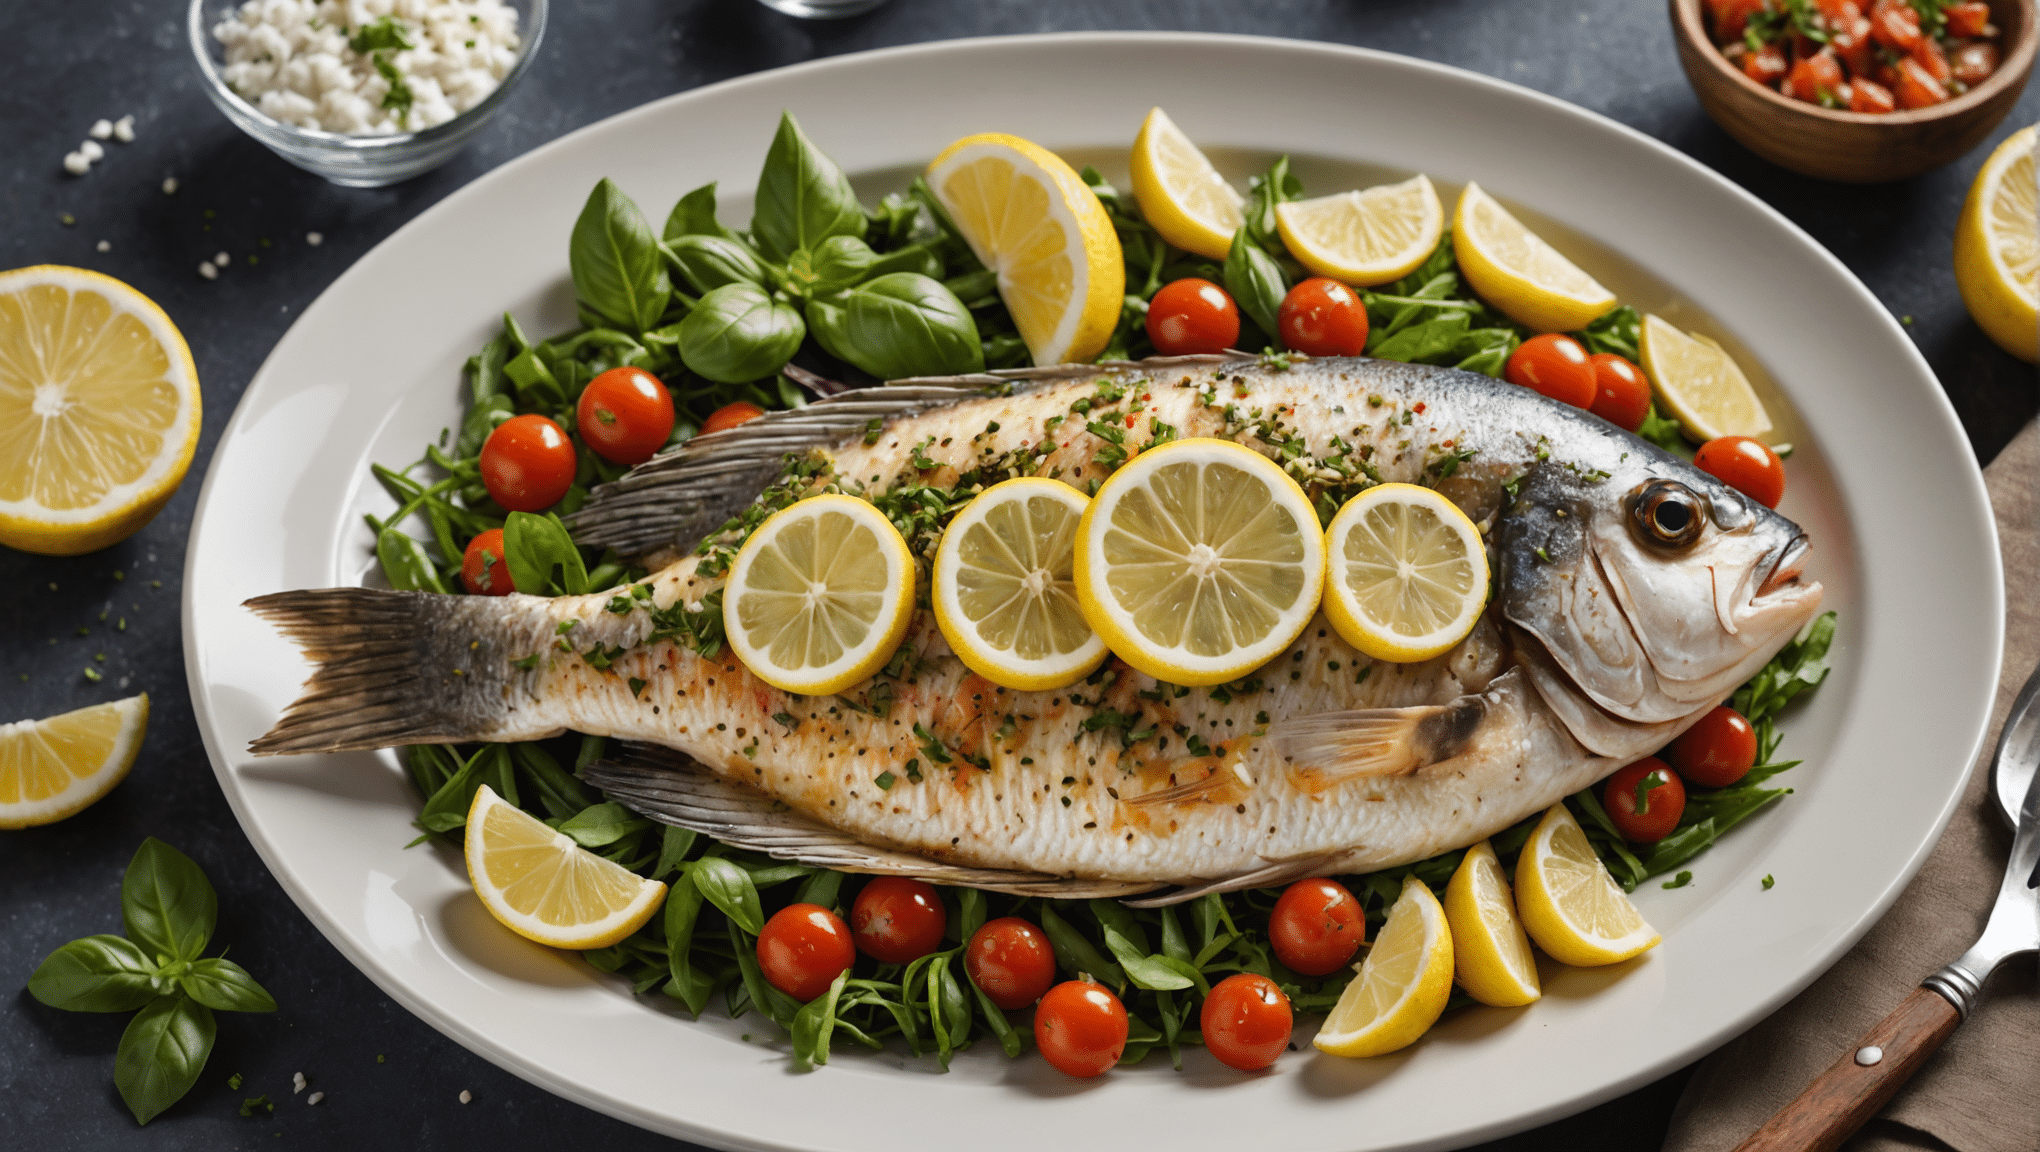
{"x": 694, "y": 215}
{"x": 536, "y": 385}
{"x": 542, "y": 557}
{"x": 815, "y": 1022}
{"x": 217, "y": 982}
{"x": 1276, "y": 186}
{"x": 1256, "y": 283}
{"x": 485, "y": 369}
{"x": 167, "y": 904}
{"x": 949, "y": 995}
{"x": 920, "y": 258}
{"x": 481, "y": 420}
{"x": 709, "y": 262}
{"x": 674, "y": 845}
{"x": 737, "y": 334}
{"x": 162, "y": 1053}
{"x": 833, "y": 265}
{"x": 769, "y": 1000}
{"x": 1002, "y": 1028}
{"x": 1076, "y": 954}
{"x": 603, "y": 824}
{"x": 899, "y": 325}
{"x": 803, "y": 197}
{"x": 102, "y": 973}
{"x": 1174, "y": 946}
{"x": 729, "y": 888}
{"x": 405, "y": 563}
{"x": 824, "y": 888}
{"x": 618, "y": 272}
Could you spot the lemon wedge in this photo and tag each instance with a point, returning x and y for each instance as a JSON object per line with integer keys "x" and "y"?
{"x": 1031, "y": 219}
{"x": 1700, "y": 384}
{"x": 1004, "y": 593}
{"x": 1997, "y": 248}
{"x": 1180, "y": 192}
{"x": 1570, "y": 905}
{"x": 1403, "y": 984}
{"x": 1407, "y": 573}
{"x": 99, "y": 410}
{"x": 53, "y": 768}
{"x": 1365, "y": 238}
{"x": 1199, "y": 561}
{"x": 547, "y": 888}
{"x": 1516, "y": 271}
{"x": 819, "y": 596}
{"x": 1491, "y": 955}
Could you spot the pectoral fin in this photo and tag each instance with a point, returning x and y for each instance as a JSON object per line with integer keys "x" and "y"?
{"x": 1332, "y": 748}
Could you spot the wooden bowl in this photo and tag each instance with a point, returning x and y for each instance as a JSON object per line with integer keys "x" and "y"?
{"x": 1852, "y": 146}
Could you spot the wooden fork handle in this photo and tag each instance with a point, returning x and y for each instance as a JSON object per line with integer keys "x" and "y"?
{"x": 1851, "y": 1091}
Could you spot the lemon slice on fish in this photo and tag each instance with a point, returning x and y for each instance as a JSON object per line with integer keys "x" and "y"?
{"x": 1199, "y": 561}
{"x": 1403, "y": 985}
{"x": 1570, "y": 905}
{"x": 1516, "y": 271}
{"x": 1179, "y": 191}
{"x": 1408, "y": 574}
{"x": 1004, "y": 594}
{"x": 1365, "y": 238}
{"x": 1700, "y": 384}
{"x": 1491, "y": 955}
{"x": 56, "y": 767}
{"x": 1997, "y": 248}
{"x": 819, "y": 596}
{"x": 547, "y": 888}
{"x": 1031, "y": 219}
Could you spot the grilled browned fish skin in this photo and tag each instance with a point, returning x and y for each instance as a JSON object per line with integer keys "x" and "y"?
{"x": 1633, "y": 593}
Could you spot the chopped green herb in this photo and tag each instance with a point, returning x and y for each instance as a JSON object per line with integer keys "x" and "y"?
{"x": 1768, "y": 882}
{"x": 1679, "y": 881}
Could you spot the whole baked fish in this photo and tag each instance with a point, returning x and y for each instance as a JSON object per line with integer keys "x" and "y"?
{"x": 1632, "y": 594}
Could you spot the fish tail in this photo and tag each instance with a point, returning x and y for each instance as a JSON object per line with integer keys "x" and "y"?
{"x": 393, "y": 668}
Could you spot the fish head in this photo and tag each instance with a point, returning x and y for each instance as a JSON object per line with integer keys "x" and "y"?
{"x": 1655, "y": 589}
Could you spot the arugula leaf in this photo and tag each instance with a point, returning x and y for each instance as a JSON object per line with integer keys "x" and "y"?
{"x": 1664, "y": 432}
{"x": 1618, "y": 330}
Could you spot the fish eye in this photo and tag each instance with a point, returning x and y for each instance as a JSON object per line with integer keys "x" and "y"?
{"x": 1667, "y": 514}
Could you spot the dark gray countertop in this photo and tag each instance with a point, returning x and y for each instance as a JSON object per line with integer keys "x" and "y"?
{"x": 391, "y": 1080}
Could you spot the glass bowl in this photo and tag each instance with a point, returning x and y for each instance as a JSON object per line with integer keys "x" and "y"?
{"x": 357, "y": 161}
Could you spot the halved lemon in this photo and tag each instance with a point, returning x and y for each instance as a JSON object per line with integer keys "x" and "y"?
{"x": 53, "y": 768}
{"x": 820, "y": 595}
{"x": 1516, "y": 271}
{"x": 1031, "y": 219}
{"x": 1199, "y": 561}
{"x": 1180, "y": 192}
{"x": 1569, "y": 904}
{"x": 1407, "y": 573}
{"x": 547, "y": 888}
{"x": 1997, "y": 248}
{"x": 1004, "y": 592}
{"x": 1403, "y": 984}
{"x": 1491, "y": 955}
{"x": 1700, "y": 384}
{"x": 99, "y": 410}
{"x": 1365, "y": 238}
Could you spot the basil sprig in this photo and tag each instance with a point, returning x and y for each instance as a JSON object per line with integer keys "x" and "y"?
{"x": 159, "y": 972}
{"x": 618, "y": 270}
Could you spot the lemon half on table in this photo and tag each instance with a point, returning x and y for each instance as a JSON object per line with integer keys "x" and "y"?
{"x": 99, "y": 410}
{"x": 1004, "y": 593}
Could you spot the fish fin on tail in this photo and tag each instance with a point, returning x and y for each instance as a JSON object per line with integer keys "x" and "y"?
{"x": 1267, "y": 876}
{"x": 393, "y": 668}
{"x": 671, "y": 788}
{"x": 1331, "y": 748}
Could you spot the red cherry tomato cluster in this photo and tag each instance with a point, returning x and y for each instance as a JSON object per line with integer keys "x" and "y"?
{"x": 1316, "y": 927}
{"x": 1871, "y": 56}
{"x": 1745, "y": 464}
{"x": 1646, "y": 799}
{"x": 1557, "y": 366}
{"x": 1192, "y": 316}
{"x": 625, "y": 415}
{"x": 528, "y": 463}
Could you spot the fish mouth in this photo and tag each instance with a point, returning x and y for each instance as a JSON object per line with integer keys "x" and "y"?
{"x": 1786, "y": 569}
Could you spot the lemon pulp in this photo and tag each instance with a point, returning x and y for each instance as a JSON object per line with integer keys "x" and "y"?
{"x": 1409, "y": 574}
{"x": 55, "y": 767}
{"x": 1004, "y": 590}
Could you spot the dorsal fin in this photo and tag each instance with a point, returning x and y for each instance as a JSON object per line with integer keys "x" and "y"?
{"x": 672, "y": 789}
{"x": 679, "y": 496}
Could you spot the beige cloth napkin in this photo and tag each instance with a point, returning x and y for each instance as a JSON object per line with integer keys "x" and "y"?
{"x": 1982, "y": 1092}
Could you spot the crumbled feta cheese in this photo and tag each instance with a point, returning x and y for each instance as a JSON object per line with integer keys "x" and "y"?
{"x": 208, "y": 269}
{"x": 297, "y": 1083}
{"x": 222, "y": 259}
{"x": 92, "y": 151}
{"x": 296, "y": 60}
{"x": 100, "y": 130}
{"x": 314, "y": 239}
{"x": 466, "y": 1096}
{"x": 76, "y": 163}
{"x": 105, "y": 245}
{"x": 315, "y": 1097}
{"x": 124, "y": 129}
{"x": 169, "y": 185}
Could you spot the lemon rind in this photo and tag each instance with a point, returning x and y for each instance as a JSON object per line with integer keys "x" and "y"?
{"x": 1175, "y": 223}
{"x": 1323, "y": 262}
{"x": 1512, "y": 290}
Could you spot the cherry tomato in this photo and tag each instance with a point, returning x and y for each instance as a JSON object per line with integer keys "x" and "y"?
{"x": 1190, "y": 316}
{"x": 731, "y": 415}
{"x": 1246, "y": 1022}
{"x": 527, "y": 463}
{"x": 1767, "y": 65}
{"x": 1934, "y": 59}
{"x": 802, "y": 950}
{"x": 1080, "y": 1028}
{"x": 482, "y": 568}
{"x": 1746, "y": 465}
{"x": 896, "y": 919}
{"x": 1838, "y": 13}
{"x": 1731, "y": 16}
{"x": 1717, "y": 751}
{"x": 1621, "y": 394}
{"x": 1012, "y": 961}
{"x": 1854, "y": 47}
{"x": 1895, "y": 25}
{"x": 1867, "y": 95}
{"x": 1967, "y": 19}
{"x": 1916, "y": 87}
{"x": 1321, "y": 317}
{"x": 1317, "y": 926}
{"x": 1663, "y": 803}
{"x": 1816, "y": 74}
{"x": 1555, "y": 365}
{"x": 1972, "y": 64}
{"x": 625, "y": 415}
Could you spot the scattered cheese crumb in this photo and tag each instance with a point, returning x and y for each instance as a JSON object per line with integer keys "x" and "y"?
{"x": 466, "y": 1096}
{"x": 105, "y": 245}
{"x": 297, "y": 1083}
{"x": 208, "y": 270}
{"x": 314, "y": 239}
{"x": 100, "y": 130}
{"x": 76, "y": 164}
{"x": 124, "y": 129}
{"x": 315, "y": 1097}
{"x": 169, "y": 185}
{"x": 222, "y": 259}
{"x": 92, "y": 151}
